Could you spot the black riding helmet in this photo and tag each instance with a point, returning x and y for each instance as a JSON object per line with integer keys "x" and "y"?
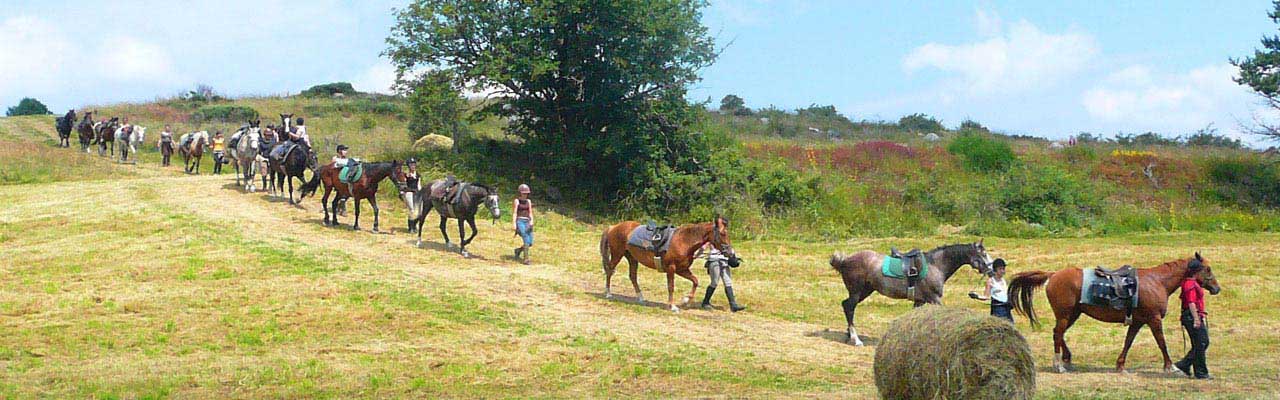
{"x": 411, "y": 161}
{"x": 300, "y": 122}
{"x": 342, "y": 147}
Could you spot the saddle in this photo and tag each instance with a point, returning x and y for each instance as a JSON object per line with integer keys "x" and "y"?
{"x": 1116, "y": 288}
{"x": 235, "y": 140}
{"x": 351, "y": 172}
{"x": 653, "y": 238}
{"x": 913, "y": 263}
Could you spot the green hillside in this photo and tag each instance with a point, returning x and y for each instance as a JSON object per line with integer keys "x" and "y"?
{"x": 813, "y": 173}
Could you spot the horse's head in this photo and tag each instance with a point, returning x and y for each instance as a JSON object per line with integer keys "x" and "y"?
{"x": 398, "y": 177}
{"x": 978, "y": 258}
{"x": 491, "y": 202}
{"x": 1204, "y": 274}
{"x": 139, "y": 133}
{"x": 719, "y": 238}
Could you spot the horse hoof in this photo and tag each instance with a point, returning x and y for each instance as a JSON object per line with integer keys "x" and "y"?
{"x": 375, "y": 230}
{"x": 608, "y": 296}
{"x": 675, "y": 309}
{"x": 465, "y": 254}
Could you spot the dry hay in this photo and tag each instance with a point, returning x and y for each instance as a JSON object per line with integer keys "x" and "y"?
{"x": 937, "y": 352}
{"x": 433, "y": 142}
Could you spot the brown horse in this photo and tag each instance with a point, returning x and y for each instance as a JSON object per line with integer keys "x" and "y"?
{"x": 106, "y": 133}
{"x": 686, "y": 240}
{"x": 85, "y": 129}
{"x": 364, "y": 188}
{"x": 1155, "y": 285}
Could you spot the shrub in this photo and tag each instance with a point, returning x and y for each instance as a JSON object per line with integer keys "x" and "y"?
{"x": 28, "y": 106}
{"x": 224, "y": 113}
{"x": 982, "y": 153}
{"x": 920, "y": 123}
{"x": 329, "y": 89}
{"x": 778, "y": 186}
{"x": 1245, "y": 182}
{"x": 367, "y": 122}
{"x": 1048, "y": 196}
{"x": 1079, "y": 154}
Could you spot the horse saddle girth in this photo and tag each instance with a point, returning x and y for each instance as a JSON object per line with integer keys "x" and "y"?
{"x": 653, "y": 238}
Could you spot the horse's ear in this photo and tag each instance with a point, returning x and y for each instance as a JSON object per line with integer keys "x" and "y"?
{"x": 1198, "y": 257}
{"x": 980, "y": 241}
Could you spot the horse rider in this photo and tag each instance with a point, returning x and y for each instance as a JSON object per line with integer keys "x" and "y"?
{"x": 522, "y": 218}
{"x": 1193, "y": 320}
{"x": 719, "y": 267}
{"x": 341, "y": 159}
{"x": 219, "y": 146}
{"x": 165, "y": 144}
{"x": 297, "y": 135}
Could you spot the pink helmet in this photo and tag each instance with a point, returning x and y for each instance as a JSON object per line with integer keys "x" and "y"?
{"x": 524, "y": 189}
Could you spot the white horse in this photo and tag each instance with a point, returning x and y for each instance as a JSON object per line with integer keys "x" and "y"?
{"x": 245, "y": 155}
{"x": 129, "y": 142}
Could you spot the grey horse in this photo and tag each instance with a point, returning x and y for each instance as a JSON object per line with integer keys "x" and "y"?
{"x": 466, "y": 202}
{"x": 861, "y": 273}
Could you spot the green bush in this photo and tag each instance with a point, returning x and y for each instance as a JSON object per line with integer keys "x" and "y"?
{"x": 329, "y": 89}
{"x": 982, "y": 153}
{"x": 1245, "y": 182}
{"x": 778, "y": 186}
{"x": 224, "y": 113}
{"x": 28, "y": 106}
{"x": 1048, "y": 196}
{"x": 367, "y": 123}
{"x": 920, "y": 123}
{"x": 1080, "y": 153}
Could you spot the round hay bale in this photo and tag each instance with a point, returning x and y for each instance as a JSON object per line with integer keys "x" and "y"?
{"x": 937, "y": 352}
{"x": 433, "y": 142}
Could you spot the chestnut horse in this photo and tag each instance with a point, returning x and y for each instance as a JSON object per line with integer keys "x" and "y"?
{"x": 686, "y": 240}
{"x": 364, "y": 188}
{"x": 106, "y": 133}
{"x": 1155, "y": 285}
{"x": 192, "y": 150}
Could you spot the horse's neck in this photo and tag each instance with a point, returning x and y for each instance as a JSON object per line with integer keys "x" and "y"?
{"x": 697, "y": 238}
{"x": 945, "y": 261}
{"x": 1168, "y": 275}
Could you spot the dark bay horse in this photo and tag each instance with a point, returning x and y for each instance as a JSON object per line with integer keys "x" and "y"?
{"x": 686, "y": 241}
{"x": 192, "y": 146}
{"x": 294, "y": 165}
{"x": 862, "y": 276}
{"x": 1155, "y": 285}
{"x": 85, "y": 129}
{"x": 464, "y": 207}
{"x": 65, "y": 124}
{"x": 106, "y": 133}
{"x": 366, "y": 187}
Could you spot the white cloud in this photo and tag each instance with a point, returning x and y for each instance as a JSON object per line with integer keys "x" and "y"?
{"x": 1018, "y": 59}
{"x": 378, "y": 78}
{"x": 131, "y": 59}
{"x": 32, "y": 56}
{"x": 989, "y": 24}
{"x": 1173, "y": 102}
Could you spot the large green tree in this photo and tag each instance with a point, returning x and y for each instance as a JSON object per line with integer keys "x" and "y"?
{"x": 594, "y": 88}
{"x": 1261, "y": 72}
{"x": 28, "y": 106}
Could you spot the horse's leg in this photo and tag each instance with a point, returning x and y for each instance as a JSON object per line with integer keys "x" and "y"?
{"x": 1128, "y": 341}
{"x": 462, "y": 234}
{"x": 686, "y": 274}
{"x": 610, "y": 261}
{"x": 444, "y": 232}
{"x": 471, "y": 221}
{"x": 1066, "y": 350}
{"x": 324, "y": 204}
{"x": 850, "y": 305}
{"x": 671, "y": 289}
{"x": 354, "y": 226}
{"x": 1157, "y": 330}
{"x": 373, "y": 202}
{"x": 635, "y": 283}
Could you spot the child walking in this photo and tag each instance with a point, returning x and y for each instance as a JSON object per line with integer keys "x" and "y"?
{"x": 523, "y": 221}
{"x": 997, "y": 292}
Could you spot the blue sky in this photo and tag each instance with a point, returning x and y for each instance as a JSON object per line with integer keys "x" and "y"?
{"x": 1022, "y": 67}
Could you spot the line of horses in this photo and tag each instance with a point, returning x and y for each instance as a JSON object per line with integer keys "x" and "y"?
{"x": 860, "y": 272}
{"x": 104, "y": 134}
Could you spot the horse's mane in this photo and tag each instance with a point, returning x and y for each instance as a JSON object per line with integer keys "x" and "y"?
{"x": 948, "y": 247}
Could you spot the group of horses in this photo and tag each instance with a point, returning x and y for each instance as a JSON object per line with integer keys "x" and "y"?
{"x": 861, "y": 272}
{"x": 104, "y": 134}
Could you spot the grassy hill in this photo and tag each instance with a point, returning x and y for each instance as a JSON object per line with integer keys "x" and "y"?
{"x": 124, "y": 281}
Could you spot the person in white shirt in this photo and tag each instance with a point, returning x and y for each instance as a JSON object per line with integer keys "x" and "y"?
{"x": 719, "y": 267}
{"x": 997, "y": 292}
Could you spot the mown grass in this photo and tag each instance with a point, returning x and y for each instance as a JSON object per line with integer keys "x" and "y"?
{"x": 174, "y": 286}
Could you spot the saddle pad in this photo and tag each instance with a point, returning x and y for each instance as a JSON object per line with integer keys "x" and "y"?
{"x": 350, "y": 174}
{"x": 892, "y": 267}
{"x": 1095, "y": 291}
{"x": 642, "y": 237}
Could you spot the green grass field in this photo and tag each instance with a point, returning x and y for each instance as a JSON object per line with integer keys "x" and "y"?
{"x": 124, "y": 281}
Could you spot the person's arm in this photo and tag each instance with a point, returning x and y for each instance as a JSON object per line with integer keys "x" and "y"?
{"x": 986, "y": 292}
{"x": 514, "y": 215}
{"x": 531, "y": 213}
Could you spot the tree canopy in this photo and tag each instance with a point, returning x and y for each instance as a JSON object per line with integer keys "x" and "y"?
{"x": 28, "y": 106}
{"x": 591, "y": 87}
{"x": 1261, "y": 72}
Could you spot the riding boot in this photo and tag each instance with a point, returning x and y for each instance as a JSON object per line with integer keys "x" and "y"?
{"x": 517, "y": 252}
{"x": 525, "y": 252}
{"x": 412, "y": 227}
{"x": 706, "y": 300}
{"x": 733, "y": 302}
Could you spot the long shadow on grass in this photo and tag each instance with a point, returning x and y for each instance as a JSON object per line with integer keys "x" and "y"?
{"x": 1154, "y": 372}
{"x": 617, "y": 298}
{"x": 842, "y": 337}
{"x": 440, "y": 247}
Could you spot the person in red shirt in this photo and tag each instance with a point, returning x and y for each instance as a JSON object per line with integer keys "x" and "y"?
{"x": 1193, "y": 320}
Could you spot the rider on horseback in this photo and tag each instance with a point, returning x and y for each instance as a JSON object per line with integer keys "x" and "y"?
{"x": 293, "y": 137}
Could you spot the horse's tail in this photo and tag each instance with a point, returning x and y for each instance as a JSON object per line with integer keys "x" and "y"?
{"x": 1022, "y": 289}
{"x": 310, "y": 187}
{"x": 604, "y": 250}
{"x": 840, "y": 262}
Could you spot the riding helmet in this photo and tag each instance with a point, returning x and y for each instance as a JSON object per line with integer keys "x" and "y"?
{"x": 342, "y": 147}
{"x": 411, "y": 160}
{"x": 524, "y": 189}
{"x": 300, "y": 121}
